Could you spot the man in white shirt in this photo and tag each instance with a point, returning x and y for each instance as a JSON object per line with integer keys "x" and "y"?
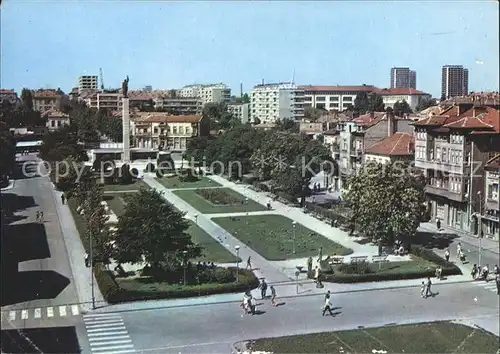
{"x": 328, "y": 306}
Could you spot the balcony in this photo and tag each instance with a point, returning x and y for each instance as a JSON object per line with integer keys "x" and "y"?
{"x": 441, "y": 166}
{"x": 445, "y": 193}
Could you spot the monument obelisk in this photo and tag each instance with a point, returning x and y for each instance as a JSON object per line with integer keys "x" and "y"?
{"x": 125, "y": 122}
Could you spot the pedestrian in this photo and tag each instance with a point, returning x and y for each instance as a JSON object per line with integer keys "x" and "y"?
{"x": 320, "y": 254}
{"x": 309, "y": 265}
{"x": 459, "y": 250}
{"x": 316, "y": 274}
{"x": 327, "y": 306}
{"x": 314, "y": 199}
{"x": 263, "y": 289}
{"x": 327, "y": 295}
{"x": 86, "y": 259}
{"x": 269, "y": 204}
{"x": 63, "y": 198}
{"x": 249, "y": 263}
{"x": 41, "y": 216}
{"x": 473, "y": 272}
{"x": 37, "y": 214}
{"x": 438, "y": 224}
{"x": 497, "y": 280}
{"x": 273, "y": 295}
{"x": 422, "y": 289}
{"x": 447, "y": 255}
{"x": 428, "y": 291}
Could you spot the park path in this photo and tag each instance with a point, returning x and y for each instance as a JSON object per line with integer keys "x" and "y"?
{"x": 262, "y": 267}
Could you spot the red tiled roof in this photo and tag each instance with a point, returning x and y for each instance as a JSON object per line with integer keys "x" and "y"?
{"x": 359, "y": 88}
{"x": 7, "y": 91}
{"x": 400, "y": 91}
{"x": 447, "y": 116}
{"x": 493, "y": 163}
{"x": 368, "y": 120}
{"x": 161, "y": 117}
{"x": 398, "y": 144}
{"x": 487, "y": 120}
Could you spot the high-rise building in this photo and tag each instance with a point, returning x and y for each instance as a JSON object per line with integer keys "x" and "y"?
{"x": 454, "y": 81}
{"x": 211, "y": 93}
{"x": 273, "y": 102}
{"x": 87, "y": 82}
{"x": 403, "y": 78}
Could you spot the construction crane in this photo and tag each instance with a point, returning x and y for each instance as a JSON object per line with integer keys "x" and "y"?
{"x": 102, "y": 81}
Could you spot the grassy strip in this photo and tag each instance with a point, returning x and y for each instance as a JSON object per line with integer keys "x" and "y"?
{"x": 272, "y": 236}
{"x": 175, "y": 182}
{"x": 437, "y": 337}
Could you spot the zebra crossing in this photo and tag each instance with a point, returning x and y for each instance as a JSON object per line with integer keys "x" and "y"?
{"x": 490, "y": 285}
{"x": 107, "y": 334}
{"x": 41, "y": 313}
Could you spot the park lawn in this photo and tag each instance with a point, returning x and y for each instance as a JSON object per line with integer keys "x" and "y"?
{"x": 437, "y": 337}
{"x": 135, "y": 186}
{"x": 205, "y": 207}
{"x": 174, "y": 182}
{"x": 271, "y": 236}
{"x": 213, "y": 251}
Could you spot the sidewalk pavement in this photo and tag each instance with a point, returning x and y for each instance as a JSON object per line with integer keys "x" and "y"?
{"x": 76, "y": 254}
{"x": 262, "y": 268}
{"x": 296, "y": 213}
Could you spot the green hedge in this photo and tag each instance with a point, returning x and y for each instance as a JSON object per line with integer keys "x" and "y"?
{"x": 448, "y": 269}
{"x": 248, "y": 179}
{"x": 247, "y": 281}
{"x": 327, "y": 213}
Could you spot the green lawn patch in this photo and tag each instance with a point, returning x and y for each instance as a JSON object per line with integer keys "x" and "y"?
{"x": 175, "y": 182}
{"x": 135, "y": 186}
{"x": 116, "y": 202}
{"x": 194, "y": 198}
{"x": 437, "y": 337}
{"x": 271, "y": 236}
{"x": 423, "y": 264}
{"x": 143, "y": 288}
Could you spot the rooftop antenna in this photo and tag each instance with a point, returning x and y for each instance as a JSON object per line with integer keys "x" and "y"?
{"x": 241, "y": 89}
{"x": 293, "y": 77}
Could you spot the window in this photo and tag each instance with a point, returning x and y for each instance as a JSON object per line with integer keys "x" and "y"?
{"x": 334, "y": 98}
{"x": 444, "y": 156}
{"x": 52, "y": 123}
{"x": 347, "y": 99}
{"x": 155, "y": 130}
{"x": 58, "y": 123}
{"x": 438, "y": 153}
{"x": 320, "y": 98}
{"x": 181, "y": 130}
{"x": 174, "y": 130}
{"x": 344, "y": 144}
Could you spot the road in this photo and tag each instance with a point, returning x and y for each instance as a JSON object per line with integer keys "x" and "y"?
{"x": 213, "y": 328}
{"x": 37, "y": 286}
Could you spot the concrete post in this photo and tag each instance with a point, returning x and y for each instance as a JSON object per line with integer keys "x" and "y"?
{"x": 126, "y": 129}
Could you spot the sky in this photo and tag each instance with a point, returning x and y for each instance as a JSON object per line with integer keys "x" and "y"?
{"x": 168, "y": 44}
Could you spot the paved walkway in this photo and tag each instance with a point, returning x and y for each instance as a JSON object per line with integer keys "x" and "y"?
{"x": 76, "y": 254}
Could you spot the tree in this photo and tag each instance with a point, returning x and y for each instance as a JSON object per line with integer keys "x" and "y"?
{"x": 287, "y": 124}
{"x": 245, "y": 98}
{"x": 153, "y": 228}
{"x": 361, "y": 103}
{"x": 7, "y": 154}
{"x": 313, "y": 113}
{"x": 219, "y": 117}
{"x": 60, "y": 144}
{"x": 199, "y": 149}
{"x": 424, "y": 104}
{"x": 401, "y": 108}
{"x": 385, "y": 201}
{"x": 375, "y": 103}
{"x": 27, "y": 98}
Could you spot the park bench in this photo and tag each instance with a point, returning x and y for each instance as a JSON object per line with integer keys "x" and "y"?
{"x": 359, "y": 259}
{"x": 380, "y": 259}
{"x": 336, "y": 260}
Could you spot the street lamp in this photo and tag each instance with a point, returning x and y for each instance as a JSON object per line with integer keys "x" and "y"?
{"x": 237, "y": 261}
{"x": 480, "y": 226}
{"x": 196, "y": 218}
{"x": 294, "y": 225}
{"x": 185, "y": 257}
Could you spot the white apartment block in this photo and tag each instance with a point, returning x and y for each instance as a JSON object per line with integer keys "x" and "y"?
{"x": 87, "y": 82}
{"x": 109, "y": 101}
{"x": 411, "y": 96}
{"x": 333, "y": 98}
{"x": 241, "y": 111}
{"x": 211, "y": 93}
{"x": 279, "y": 101}
{"x": 45, "y": 100}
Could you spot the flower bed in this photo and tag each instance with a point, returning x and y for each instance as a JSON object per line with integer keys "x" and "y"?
{"x": 218, "y": 196}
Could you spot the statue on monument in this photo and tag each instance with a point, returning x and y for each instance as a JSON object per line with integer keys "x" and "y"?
{"x": 125, "y": 87}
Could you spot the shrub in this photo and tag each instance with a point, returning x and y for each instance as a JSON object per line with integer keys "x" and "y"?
{"x": 263, "y": 187}
{"x": 356, "y": 268}
{"x": 106, "y": 281}
{"x": 331, "y": 214}
{"x": 248, "y": 179}
{"x": 218, "y": 196}
{"x": 187, "y": 175}
{"x": 150, "y": 167}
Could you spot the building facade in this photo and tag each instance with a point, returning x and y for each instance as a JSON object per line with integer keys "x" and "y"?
{"x": 45, "y": 100}
{"x": 240, "y": 111}
{"x": 166, "y": 132}
{"x": 8, "y": 95}
{"x": 88, "y": 82}
{"x": 451, "y": 150}
{"x": 333, "y": 98}
{"x": 105, "y": 100}
{"x": 454, "y": 81}
{"x": 491, "y": 212}
{"x": 180, "y": 105}
{"x": 403, "y": 78}
{"x": 210, "y": 93}
{"x": 411, "y": 96}
{"x": 55, "y": 119}
{"x": 398, "y": 147}
{"x": 275, "y": 102}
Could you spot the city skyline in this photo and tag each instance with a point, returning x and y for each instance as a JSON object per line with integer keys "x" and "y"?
{"x": 246, "y": 44}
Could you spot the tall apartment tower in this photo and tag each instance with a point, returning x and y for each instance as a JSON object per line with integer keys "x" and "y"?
{"x": 279, "y": 101}
{"x": 454, "y": 81}
{"x": 87, "y": 82}
{"x": 403, "y": 78}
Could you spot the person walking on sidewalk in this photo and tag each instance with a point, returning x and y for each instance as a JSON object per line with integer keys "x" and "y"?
{"x": 273, "y": 295}
{"x": 447, "y": 255}
{"x": 327, "y": 306}
{"x": 459, "y": 251}
{"x": 428, "y": 291}
{"x": 41, "y": 216}
{"x": 497, "y": 280}
{"x": 422, "y": 290}
{"x": 249, "y": 263}
{"x": 438, "y": 224}
{"x": 86, "y": 259}
{"x": 263, "y": 289}
{"x": 37, "y": 214}
{"x": 63, "y": 198}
